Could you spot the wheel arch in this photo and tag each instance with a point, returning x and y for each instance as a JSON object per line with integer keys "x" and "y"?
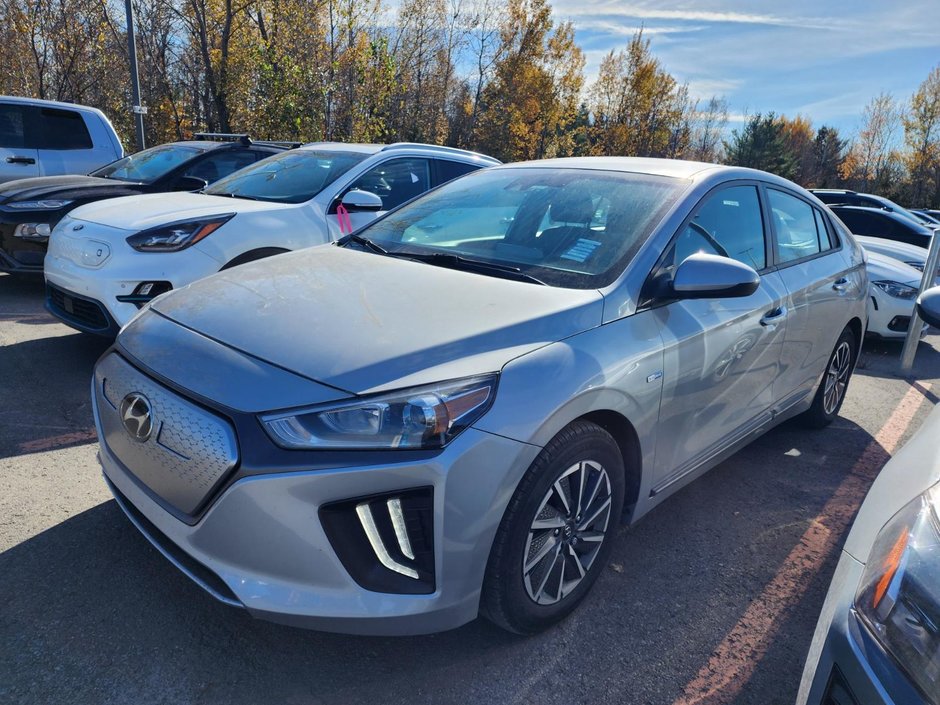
{"x": 628, "y": 441}
{"x": 253, "y": 255}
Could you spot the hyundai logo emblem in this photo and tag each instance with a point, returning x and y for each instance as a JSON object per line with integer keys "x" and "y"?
{"x": 137, "y": 416}
{"x": 78, "y": 227}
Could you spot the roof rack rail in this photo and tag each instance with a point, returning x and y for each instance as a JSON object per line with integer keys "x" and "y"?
{"x": 452, "y": 150}
{"x": 222, "y": 137}
{"x": 288, "y": 144}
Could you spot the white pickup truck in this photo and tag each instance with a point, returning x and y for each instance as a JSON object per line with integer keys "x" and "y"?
{"x": 48, "y": 138}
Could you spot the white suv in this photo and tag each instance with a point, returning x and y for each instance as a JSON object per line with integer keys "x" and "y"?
{"x": 107, "y": 259}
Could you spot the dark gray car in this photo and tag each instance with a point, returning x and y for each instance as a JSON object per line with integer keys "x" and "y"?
{"x": 450, "y": 411}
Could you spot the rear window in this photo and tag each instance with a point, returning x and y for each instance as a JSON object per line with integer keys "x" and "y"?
{"x": 62, "y": 129}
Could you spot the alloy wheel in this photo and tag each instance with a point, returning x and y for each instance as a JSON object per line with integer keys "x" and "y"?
{"x": 567, "y": 533}
{"x": 837, "y": 377}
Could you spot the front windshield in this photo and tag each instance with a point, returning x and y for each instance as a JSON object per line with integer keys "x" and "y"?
{"x": 575, "y": 228}
{"x": 289, "y": 177}
{"x": 149, "y": 164}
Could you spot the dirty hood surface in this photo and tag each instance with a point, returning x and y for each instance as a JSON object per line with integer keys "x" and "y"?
{"x": 363, "y": 322}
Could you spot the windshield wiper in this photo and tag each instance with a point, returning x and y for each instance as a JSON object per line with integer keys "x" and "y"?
{"x": 365, "y": 242}
{"x": 466, "y": 264}
{"x": 232, "y": 195}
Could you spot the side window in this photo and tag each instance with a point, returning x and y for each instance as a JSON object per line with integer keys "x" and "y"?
{"x": 225, "y": 162}
{"x": 396, "y": 181}
{"x": 825, "y": 234}
{"x": 62, "y": 129}
{"x": 858, "y": 222}
{"x": 448, "y": 170}
{"x": 12, "y": 126}
{"x": 727, "y": 223}
{"x": 797, "y": 227}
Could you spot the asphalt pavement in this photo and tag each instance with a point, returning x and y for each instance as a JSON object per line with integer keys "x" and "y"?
{"x": 699, "y": 604}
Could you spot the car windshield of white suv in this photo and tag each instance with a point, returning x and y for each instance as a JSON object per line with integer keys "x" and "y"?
{"x": 290, "y": 177}
{"x": 148, "y": 165}
{"x": 574, "y": 228}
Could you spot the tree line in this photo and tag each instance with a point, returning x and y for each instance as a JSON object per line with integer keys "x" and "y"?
{"x": 500, "y": 76}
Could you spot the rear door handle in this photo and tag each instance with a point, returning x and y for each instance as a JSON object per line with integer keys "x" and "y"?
{"x": 20, "y": 160}
{"x": 840, "y": 284}
{"x": 772, "y": 318}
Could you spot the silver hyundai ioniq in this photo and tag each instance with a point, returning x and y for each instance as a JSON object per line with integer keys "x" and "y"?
{"x": 450, "y": 411}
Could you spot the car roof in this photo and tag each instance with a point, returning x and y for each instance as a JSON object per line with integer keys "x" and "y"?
{"x": 412, "y": 147}
{"x": 49, "y": 104}
{"x": 205, "y": 145}
{"x": 894, "y": 215}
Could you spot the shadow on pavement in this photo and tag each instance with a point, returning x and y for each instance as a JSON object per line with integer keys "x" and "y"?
{"x": 44, "y": 395}
{"x": 92, "y": 613}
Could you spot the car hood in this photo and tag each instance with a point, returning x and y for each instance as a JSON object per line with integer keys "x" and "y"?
{"x": 882, "y": 268}
{"x": 142, "y": 212}
{"x": 363, "y": 323}
{"x": 895, "y": 250}
{"x": 64, "y": 187}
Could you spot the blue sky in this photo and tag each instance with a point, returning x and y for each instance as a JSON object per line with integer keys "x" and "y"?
{"x": 825, "y": 59}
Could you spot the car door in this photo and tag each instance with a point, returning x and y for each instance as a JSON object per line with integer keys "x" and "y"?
{"x": 64, "y": 143}
{"x": 394, "y": 181}
{"x": 18, "y": 155}
{"x": 721, "y": 356}
{"x": 818, "y": 276}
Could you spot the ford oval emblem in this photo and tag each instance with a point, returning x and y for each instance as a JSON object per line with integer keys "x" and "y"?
{"x": 78, "y": 227}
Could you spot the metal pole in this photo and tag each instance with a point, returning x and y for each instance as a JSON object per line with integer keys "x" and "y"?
{"x": 926, "y": 281}
{"x": 135, "y": 80}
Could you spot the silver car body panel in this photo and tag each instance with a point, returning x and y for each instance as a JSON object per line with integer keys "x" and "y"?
{"x": 681, "y": 383}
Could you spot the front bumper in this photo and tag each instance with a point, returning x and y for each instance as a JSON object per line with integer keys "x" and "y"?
{"x": 21, "y": 255}
{"x": 260, "y": 542}
{"x": 119, "y": 275}
{"x": 888, "y": 316}
{"x": 845, "y": 665}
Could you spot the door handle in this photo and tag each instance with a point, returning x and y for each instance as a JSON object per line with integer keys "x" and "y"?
{"x": 20, "y": 160}
{"x": 772, "y": 318}
{"x": 840, "y": 284}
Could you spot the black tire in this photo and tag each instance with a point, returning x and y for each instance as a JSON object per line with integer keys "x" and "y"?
{"x": 825, "y": 409}
{"x": 254, "y": 255}
{"x": 583, "y": 450}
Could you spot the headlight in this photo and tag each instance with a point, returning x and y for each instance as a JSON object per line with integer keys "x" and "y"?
{"x": 897, "y": 289}
{"x": 49, "y": 205}
{"x": 899, "y": 596}
{"x": 177, "y": 236}
{"x": 33, "y": 231}
{"x": 421, "y": 417}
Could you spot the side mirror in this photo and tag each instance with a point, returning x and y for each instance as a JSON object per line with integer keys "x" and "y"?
{"x": 704, "y": 276}
{"x": 357, "y": 200}
{"x": 190, "y": 183}
{"x": 928, "y": 306}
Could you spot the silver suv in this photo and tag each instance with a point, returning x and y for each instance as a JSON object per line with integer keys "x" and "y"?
{"x": 450, "y": 410}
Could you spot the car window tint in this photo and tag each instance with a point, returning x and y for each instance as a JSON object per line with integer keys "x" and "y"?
{"x": 12, "y": 126}
{"x": 727, "y": 223}
{"x": 825, "y": 239}
{"x": 796, "y": 227}
{"x": 396, "y": 181}
{"x": 858, "y": 222}
{"x": 62, "y": 129}
{"x": 223, "y": 163}
{"x": 448, "y": 170}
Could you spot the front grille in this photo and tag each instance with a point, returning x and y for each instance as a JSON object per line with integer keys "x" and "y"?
{"x": 86, "y": 313}
{"x": 186, "y": 454}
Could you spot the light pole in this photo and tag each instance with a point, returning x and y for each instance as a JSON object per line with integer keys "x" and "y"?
{"x": 137, "y": 108}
